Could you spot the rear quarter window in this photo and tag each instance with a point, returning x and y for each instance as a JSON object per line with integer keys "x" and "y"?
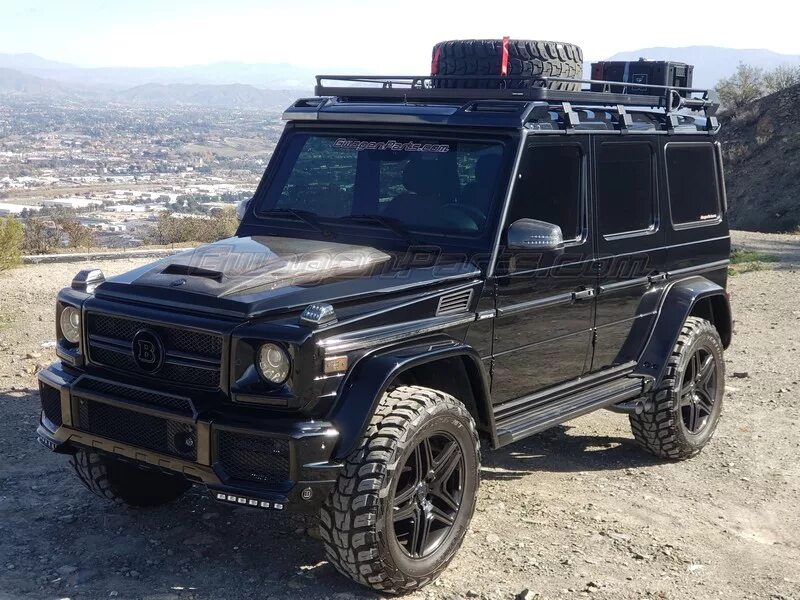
{"x": 693, "y": 183}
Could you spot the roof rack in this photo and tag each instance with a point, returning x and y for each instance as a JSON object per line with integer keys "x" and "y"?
{"x": 427, "y": 88}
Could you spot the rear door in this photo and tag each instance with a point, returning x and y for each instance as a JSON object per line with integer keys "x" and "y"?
{"x": 630, "y": 245}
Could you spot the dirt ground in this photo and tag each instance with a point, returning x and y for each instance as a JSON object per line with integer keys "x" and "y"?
{"x": 574, "y": 512}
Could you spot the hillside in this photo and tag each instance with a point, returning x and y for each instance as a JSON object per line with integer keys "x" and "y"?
{"x": 229, "y": 96}
{"x": 16, "y": 82}
{"x": 762, "y": 152}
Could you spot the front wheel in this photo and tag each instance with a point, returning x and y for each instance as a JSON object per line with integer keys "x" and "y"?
{"x": 685, "y": 410}
{"x": 406, "y": 495}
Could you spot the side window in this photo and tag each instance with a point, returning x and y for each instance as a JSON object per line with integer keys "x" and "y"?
{"x": 625, "y": 187}
{"x": 550, "y": 189}
{"x": 692, "y": 179}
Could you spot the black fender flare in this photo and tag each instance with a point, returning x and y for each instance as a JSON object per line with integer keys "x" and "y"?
{"x": 680, "y": 301}
{"x": 374, "y": 373}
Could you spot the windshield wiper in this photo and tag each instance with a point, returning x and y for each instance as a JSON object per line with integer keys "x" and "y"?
{"x": 306, "y": 216}
{"x": 394, "y": 225}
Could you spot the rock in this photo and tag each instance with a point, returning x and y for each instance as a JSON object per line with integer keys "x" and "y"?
{"x": 66, "y": 570}
{"x": 527, "y": 594}
{"x": 741, "y": 374}
{"x": 492, "y": 538}
{"x": 200, "y": 539}
{"x": 33, "y": 355}
{"x": 81, "y": 576}
{"x": 694, "y": 567}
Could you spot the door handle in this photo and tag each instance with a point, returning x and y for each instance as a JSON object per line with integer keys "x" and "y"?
{"x": 583, "y": 294}
{"x": 657, "y": 277}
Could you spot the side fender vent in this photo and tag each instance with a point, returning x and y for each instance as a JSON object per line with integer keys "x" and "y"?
{"x": 454, "y": 303}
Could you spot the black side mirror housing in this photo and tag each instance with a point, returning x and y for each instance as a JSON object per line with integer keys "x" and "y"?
{"x": 535, "y": 236}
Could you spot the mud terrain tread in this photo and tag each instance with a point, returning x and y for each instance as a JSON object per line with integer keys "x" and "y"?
{"x": 656, "y": 430}
{"x": 91, "y": 470}
{"x": 347, "y": 520}
{"x": 143, "y": 490}
{"x": 526, "y": 58}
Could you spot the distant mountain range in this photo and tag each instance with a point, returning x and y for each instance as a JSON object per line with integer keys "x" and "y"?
{"x": 712, "y": 63}
{"x": 263, "y": 85}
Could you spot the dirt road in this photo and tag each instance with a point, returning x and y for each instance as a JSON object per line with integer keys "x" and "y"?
{"x": 573, "y": 512}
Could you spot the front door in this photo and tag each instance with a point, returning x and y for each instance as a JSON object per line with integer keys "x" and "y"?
{"x": 545, "y": 310}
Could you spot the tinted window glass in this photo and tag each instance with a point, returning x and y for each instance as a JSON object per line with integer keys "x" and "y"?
{"x": 427, "y": 184}
{"x": 692, "y": 176}
{"x": 321, "y": 181}
{"x": 550, "y": 188}
{"x": 625, "y": 200}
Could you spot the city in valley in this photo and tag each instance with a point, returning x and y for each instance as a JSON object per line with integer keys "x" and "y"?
{"x": 113, "y": 171}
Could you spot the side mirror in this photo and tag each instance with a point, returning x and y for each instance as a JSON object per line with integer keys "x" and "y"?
{"x": 533, "y": 235}
{"x": 241, "y": 209}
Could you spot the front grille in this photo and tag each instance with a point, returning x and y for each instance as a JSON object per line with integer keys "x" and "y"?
{"x": 192, "y": 357}
{"x": 124, "y": 392}
{"x": 253, "y": 458}
{"x": 51, "y": 403}
{"x": 146, "y": 431}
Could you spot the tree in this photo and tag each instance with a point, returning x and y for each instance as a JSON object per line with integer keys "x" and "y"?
{"x": 744, "y": 86}
{"x": 78, "y": 236}
{"x": 781, "y": 78}
{"x": 11, "y": 238}
{"x": 39, "y": 238}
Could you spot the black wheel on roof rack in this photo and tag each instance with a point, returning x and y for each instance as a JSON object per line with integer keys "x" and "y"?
{"x": 500, "y": 63}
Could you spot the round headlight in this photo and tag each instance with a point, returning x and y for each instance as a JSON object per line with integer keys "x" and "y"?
{"x": 273, "y": 363}
{"x": 71, "y": 324}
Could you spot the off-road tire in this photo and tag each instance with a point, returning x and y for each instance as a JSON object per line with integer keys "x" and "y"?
{"x": 659, "y": 428}
{"x": 526, "y": 58}
{"x": 353, "y": 521}
{"x": 124, "y": 483}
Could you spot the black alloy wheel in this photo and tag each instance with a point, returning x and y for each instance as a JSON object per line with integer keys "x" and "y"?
{"x": 698, "y": 390}
{"x": 428, "y": 494}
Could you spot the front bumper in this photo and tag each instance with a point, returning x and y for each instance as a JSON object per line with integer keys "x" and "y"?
{"x": 275, "y": 463}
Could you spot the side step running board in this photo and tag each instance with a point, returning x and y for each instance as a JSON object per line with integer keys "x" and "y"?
{"x": 518, "y": 423}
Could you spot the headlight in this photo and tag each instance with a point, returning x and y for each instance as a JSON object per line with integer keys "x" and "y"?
{"x": 71, "y": 324}
{"x": 273, "y": 363}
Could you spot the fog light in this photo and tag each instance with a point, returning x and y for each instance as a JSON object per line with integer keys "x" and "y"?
{"x": 70, "y": 323}
{"x": 273, "y": 363}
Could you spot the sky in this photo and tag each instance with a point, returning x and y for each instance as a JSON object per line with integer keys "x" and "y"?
{"x": 378, "y": 35}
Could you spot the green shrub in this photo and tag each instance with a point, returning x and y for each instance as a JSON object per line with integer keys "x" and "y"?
{"x": 177, "y": 230}
{"x": 11, "y": 237}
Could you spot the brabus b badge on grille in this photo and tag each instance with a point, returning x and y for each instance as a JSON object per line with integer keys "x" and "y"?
{"x": 148, "y": 351}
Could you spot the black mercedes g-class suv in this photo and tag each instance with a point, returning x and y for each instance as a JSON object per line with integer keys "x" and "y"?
{"x": 427, "y": 262}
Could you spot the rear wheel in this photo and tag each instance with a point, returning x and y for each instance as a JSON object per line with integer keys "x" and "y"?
{"x": 686, "y": 408}
{"x": 125, "y": 483}
{"x": 405, "y": 497}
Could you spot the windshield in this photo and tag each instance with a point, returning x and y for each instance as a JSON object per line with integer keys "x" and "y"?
{"x": 406, "y": 185}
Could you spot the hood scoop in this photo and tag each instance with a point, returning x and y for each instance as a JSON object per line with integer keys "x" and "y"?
{"x": 192, "y": 271}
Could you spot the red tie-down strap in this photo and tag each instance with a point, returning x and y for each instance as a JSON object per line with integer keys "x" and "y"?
{"x": 504, "y": 62}
{"x": 435, "y": 62}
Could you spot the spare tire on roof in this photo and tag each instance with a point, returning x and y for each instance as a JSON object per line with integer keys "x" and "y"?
{"x": 503, "y": 60}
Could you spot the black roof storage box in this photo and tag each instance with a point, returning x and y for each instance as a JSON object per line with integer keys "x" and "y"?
{"x": 647, "y": 72}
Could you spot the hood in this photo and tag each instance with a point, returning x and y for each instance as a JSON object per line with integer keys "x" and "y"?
{"x": 251, "y": 275}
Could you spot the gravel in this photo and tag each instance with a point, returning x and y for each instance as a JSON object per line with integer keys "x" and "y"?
{"x": 577, "y": 511}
